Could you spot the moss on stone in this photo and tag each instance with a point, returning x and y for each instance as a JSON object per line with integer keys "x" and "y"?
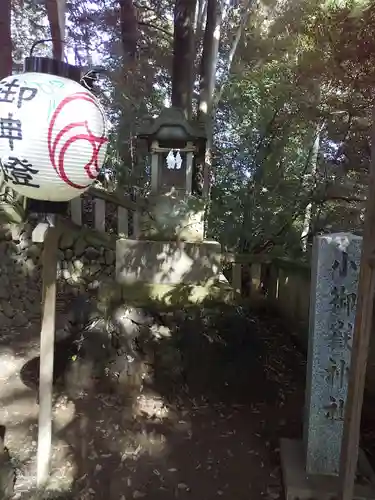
{"x": 166, "y": 295}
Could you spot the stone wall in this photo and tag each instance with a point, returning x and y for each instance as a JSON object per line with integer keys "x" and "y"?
{"x": 84, "y": 261}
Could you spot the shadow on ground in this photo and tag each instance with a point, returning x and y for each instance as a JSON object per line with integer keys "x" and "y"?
{"x": 209, "y": 430}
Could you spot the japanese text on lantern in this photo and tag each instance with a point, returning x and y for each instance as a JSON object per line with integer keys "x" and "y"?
{"x": 15, "y": 94}
{"x": 340, "y": 342}
{"x": 19, "y": 172}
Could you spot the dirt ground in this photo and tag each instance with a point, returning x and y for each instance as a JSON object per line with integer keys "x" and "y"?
{"x": 217, "y": 436}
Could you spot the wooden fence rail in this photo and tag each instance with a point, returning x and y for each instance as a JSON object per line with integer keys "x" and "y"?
{"x": 128, "y": 221}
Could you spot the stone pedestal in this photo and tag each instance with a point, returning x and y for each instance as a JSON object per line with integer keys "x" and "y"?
{"x": 167, "y": 262}
{"x": 173, "y": 216}
{"x": 171, "y": 273}
{"x": 170, "y": 262}
{"x": 298, "y": 485}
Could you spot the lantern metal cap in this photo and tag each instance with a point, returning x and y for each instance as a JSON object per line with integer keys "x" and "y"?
{"x": 171, "y": 125}
{"x": 52, "y": 67}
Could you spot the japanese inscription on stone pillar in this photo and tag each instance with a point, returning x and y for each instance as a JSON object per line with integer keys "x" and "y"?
{"x": 334, "y": 283}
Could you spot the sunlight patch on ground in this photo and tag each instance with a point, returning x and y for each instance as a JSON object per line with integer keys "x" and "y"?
{"x": 137, "y": 444}
{"x": 22, "y": 434}
{"x": 19, "y": 411}
{"x": 11, "y": 394}
{"x": 160, "y": 332}
{"x": 151, "y": 406}
{"x": 64, "y": 413}
{"x": 64, "y": 468}
{"x": 131, "y": 444}
{"x": 9, "y": 365}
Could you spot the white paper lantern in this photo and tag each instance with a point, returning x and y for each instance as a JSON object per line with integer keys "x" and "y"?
{"x": 53, "y": 136}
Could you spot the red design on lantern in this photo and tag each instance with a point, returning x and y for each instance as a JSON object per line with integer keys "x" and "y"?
{"x": 96, "y": 142}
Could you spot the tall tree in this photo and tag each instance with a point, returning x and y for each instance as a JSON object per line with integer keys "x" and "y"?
{"x": 56, "y": 18}
{"x": 211, "y": 38}
{"x": 183, "y": 55}
{"x": 5, "y": 39}
{"x": 129, "y": 29}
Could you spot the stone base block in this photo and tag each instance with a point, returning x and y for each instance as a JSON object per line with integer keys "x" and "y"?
{"x": 177, "y": 295}
{"x": 167, "y": 262}
{"x": 300, "y": 486}
{"x": 168, "y": 296}
{"x": 172, "y": 215}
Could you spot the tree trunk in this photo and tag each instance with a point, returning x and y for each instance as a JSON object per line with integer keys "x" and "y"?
{"x": 312, "y": 170}
{"x": 203, "y": 160}
{"x": 201, "y": 12}
{"x": 5, "y": 39}
{"x": 311, "y": 207}
{"x": 244, "y": 19}
{"x": 209, "y": 58}
{"x": 132, "y": 107}
{"x": 129, "y": 29}
{"x": 200, "y": 22}
{"x": 203, "y": 166}
{"x": 56, "y": 17}
{"x": 8, "y": 197}
{"x": 183, "y": 55}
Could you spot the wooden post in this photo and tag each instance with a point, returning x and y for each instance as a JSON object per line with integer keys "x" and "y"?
{"x": 361, "y": 340}
{"x": 136, "y": 224}
{"x": 49, "y": 234}
{"x": 189, "y": 170}
{"x": 237, "y": 277}
{"x": 76, "y": 211}
{"x": 99, "y": 214}
{"x": 122, "y": 222}
{"x": 154, "y": 168}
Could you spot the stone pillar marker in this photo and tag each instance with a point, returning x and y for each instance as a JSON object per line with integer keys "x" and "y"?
{"x": 310, "y": 467}
{"x": 334, "y": 284}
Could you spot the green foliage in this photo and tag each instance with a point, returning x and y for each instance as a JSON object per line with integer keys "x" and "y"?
{"x": 299, "y": 79}
{"x": 292, "y": 127}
